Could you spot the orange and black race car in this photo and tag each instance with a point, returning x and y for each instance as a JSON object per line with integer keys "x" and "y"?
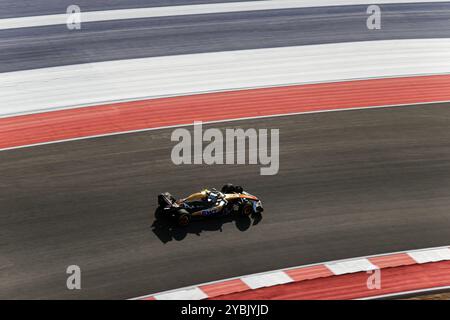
{"x": 209, "y": 203}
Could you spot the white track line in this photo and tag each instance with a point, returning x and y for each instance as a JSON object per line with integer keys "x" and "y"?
{"x": 352, "y": 266}
{"x": 110, "y": 15}
{"x": 431, "y": 255}
{"x": 188, "y": 294}
{"x": 47, "y": 89}
{"x": 266, "y": 280}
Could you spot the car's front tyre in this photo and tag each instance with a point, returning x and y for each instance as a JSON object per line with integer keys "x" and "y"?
{"x": 247, "y": 209}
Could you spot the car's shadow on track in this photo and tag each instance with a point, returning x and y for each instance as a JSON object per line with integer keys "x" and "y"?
{"x": 167, "y": 231}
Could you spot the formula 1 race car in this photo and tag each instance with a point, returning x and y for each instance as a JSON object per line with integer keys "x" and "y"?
{"x": 209, "y": 203}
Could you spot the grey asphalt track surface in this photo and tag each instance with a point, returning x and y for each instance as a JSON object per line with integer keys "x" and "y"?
{"x": 39, "y": 47}
{"x": 351, "y": 183}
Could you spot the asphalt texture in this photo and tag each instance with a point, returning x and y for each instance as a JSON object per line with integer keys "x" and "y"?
{"x": 350, "y": 183}
{"x": 40, "y": 47}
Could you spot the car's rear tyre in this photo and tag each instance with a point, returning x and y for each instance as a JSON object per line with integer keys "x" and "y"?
{"x": 184, "y": 218}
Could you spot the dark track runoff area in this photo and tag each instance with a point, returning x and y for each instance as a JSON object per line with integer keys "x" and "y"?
{"x": 350, "y": 183}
